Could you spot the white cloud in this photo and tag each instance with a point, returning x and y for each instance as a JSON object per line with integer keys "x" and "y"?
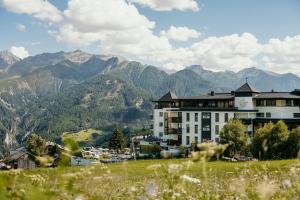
{"x": 231, "y": 52}
{"x": 168, "y": 5}
{"x": 20, "y": 52}
{"x": 181, "y": 34}
{"x": 119, "y": 29}
{"x": 40, "y": 9}
{"x": 282, "y": 55}
{"x": 21, "y": 27}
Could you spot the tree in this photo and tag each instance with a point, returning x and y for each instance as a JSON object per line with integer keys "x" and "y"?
{"x": 269, "y": 142}
{"x": 233, "y": 134}
{"x": 117, "y": 140}
{"x": 36, "y": 144}
{"x": 293, "y": 144}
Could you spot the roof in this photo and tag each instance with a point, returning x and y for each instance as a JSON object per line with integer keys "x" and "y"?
{"x": 168, "y": 97}
{"x": 216, "y": 96}
{"x": 276, "y": 95}
{"x": 16, "y": 156}
{"x": 247, "y": 88}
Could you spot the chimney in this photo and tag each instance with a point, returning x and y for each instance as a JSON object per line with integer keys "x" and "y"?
{"x": 272, "y": 90}
{"x": 212, "y": 93}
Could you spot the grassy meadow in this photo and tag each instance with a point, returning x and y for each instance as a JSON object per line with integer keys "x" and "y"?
{"x": 157, "y": 179}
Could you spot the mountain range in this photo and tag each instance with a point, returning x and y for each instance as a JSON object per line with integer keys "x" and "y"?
{"x": 66, "y": 91}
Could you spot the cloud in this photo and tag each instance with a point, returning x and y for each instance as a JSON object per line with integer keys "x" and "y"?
{"x": 168, "y": 5}
{"x": 181, "y": 34}
{"x": 282, "y": 55}
{"x": 20, "y": 52}
{"x": 21, "y": 27}
{"x": 40, "y": 9}
{"x": 231, "y": 52}
{"x": 120, "y": 29}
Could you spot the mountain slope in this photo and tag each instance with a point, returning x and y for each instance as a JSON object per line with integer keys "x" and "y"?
{"x": 262, "y": 80}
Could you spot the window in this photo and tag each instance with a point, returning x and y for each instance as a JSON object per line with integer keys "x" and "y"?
{"x": 196, "y": 129}
{"x": 260, "y": 102}
{"x": 161, "y": 134}
{"x": 296, "y": 115}
{"x": 217, "y": 129}
{"x": 260, "y": 115}
{"x": 187, "y": 140}
{"x": 161, "y": 124}
{"x": 270, "y": 102}
{"x": 226, "y": 117}
{"x": 205, "y": 115}
{"x": 187, "y": 128}
{"x": 161, "y": 114}
{"x": 206, "y": 128}
{"x": 268, "y": 115}
{"x": 196, "y": 117}
{"x": 187, "y": 117}
{"x": 289, "y": 102}
{"x": 196, "y": 139}
{"x": 211, "y": 104}
{"x": 217, "y": 117}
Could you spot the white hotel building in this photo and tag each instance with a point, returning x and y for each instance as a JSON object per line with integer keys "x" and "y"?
{"x": 184, "y": 120}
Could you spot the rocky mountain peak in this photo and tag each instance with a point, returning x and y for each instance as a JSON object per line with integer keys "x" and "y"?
{"x": 7, "y": 58}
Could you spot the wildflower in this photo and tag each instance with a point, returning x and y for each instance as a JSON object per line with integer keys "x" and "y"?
{"x": 286, "y": 183}
{"x": 151, "y": 189}
{"x": 154, "y": 167}
{"x": 266, "y": 189}
{"x": 133, "y": 189}
{"x": 188, "y": 164}
{"x": 80, "y": 197}
{"x": 174, "y": 168}
{"x": 190, "y": 179}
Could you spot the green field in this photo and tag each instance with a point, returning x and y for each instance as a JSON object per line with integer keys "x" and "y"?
{"x": 157, "y": 179}
{"x": 84, "y": 137}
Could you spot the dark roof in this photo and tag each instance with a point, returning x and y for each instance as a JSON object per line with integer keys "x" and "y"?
{"x": 16, "y": 156}
{"x": 168, "y": 97}
{"x": 209, "y": 97}
{"x": 276, "y": 95}
{"x": 247, "y": 88}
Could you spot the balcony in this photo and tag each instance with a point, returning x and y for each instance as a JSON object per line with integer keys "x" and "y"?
{"x": 171, "y": 131}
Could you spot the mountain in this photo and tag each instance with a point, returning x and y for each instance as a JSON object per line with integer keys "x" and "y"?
{"x": 6, "y": 60}
{"x": 68, "y": 91}
{"x": 262, "y": 80}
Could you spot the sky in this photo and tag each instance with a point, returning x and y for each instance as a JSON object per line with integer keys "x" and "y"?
{"x": 217, "y": 34}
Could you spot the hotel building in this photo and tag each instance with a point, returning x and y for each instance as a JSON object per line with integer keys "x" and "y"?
{"x": 184, "y": 120}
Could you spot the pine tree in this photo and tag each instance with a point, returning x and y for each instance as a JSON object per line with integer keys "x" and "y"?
{"x": 117, "y": 141}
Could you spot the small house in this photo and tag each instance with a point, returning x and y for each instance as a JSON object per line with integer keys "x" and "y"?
{"x": 20, "y": 160}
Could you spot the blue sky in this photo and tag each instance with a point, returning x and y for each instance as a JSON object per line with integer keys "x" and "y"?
{"x": 242, "y": 28}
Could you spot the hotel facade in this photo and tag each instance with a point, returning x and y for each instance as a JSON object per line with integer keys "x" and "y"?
{"x": 185, "y": 120}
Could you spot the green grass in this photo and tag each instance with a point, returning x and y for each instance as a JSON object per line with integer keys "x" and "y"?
{"x": 83, "y": 138}
{"x": 157, "y": 179}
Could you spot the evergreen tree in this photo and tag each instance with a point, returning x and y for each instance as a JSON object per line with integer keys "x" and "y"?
{"x": 117, "y": 141}
{"x": 233, "y": 134}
